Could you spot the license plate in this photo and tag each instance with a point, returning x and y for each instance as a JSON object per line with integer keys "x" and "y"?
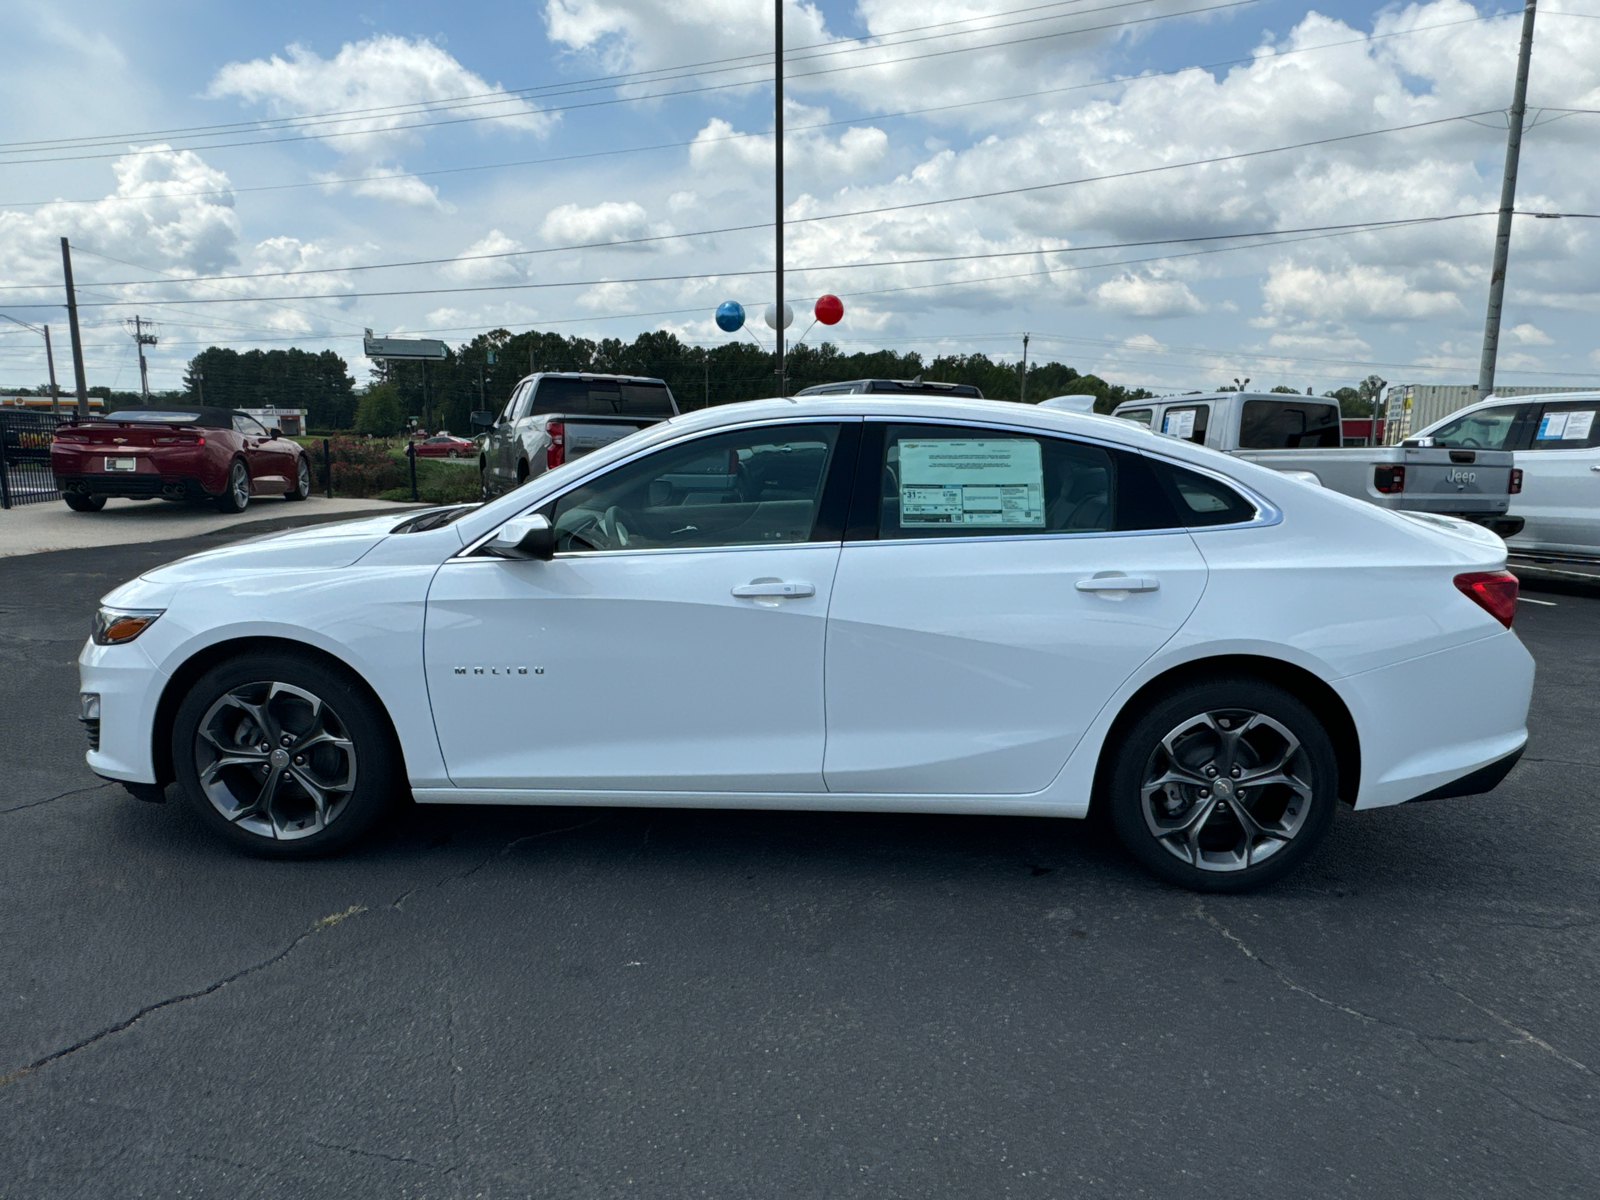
{"x": 122, "y": 464}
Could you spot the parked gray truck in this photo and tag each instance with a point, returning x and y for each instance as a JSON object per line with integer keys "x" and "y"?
{"x": 1300, "y": 435}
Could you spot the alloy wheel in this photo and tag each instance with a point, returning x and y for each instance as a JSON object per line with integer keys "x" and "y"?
{"x": 239, "y": 485}
{"x": 302, "y": 482}
{"x": 1226, "y": 790}
{"x": 275, "y": 760}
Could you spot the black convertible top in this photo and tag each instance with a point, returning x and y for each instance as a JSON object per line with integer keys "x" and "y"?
{"x": 174, "y": 414}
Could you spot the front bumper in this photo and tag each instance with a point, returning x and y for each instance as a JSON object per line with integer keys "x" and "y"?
{"x": 129, "y": 685}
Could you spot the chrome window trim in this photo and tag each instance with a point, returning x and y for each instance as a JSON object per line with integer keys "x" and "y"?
{"x": 555, "y": 497}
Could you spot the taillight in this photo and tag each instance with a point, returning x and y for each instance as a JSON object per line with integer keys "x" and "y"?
{"x": 1516, "y": 481}
{"x": 1389, "y": 480}
{"x": 556, "y": 453}
{"x": 1493, "y": 591}
{"x": 70, "y": 437}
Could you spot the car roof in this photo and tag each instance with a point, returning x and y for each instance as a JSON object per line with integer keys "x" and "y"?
{"x": 1199, "y": 396}
{"x": 596, "y": 375}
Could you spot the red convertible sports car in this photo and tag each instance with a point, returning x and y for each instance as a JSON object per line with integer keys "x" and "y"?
{"x": 445, "y": 446}
{"x": 176, "y": 452}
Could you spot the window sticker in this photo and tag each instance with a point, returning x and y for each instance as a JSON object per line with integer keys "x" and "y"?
{"x": 1553, "y": 426}
{"x": 1578, "y": 426}
{"x": 971, "y": 483}
{"x": 1178, "y": 423}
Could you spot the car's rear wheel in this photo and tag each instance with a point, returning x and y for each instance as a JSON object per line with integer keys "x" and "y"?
{"x": 455, "y": 454}
{"x": 302, "y": 480}
{"x": 85, "y": 503}
{"x": 235, "y": 496}
{"x": 282, "y": 756}
{"x": 1224, "y": 786}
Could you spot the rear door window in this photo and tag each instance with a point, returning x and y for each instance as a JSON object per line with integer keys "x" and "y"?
{"x": 1288, "y": 425}
{"x": 1187, "y": 422}
{"x": 602, "y": 398}
{"x": 1486, "y": 429}
{"x": 936, "y": 481}
{"x": 1567, "y": 425}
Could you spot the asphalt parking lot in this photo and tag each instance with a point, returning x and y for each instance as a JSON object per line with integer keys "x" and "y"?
{"x": 584, "y": 1003}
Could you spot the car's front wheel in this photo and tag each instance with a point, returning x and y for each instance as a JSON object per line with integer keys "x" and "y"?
{"x": 1224, "y": 786}
{"x": 283, "y": 756}
{"x": 235, "y": 496}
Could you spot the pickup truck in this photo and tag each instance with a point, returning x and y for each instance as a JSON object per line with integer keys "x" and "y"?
{"x": 555, "y": 416}
{"x": 1300, "y": 436}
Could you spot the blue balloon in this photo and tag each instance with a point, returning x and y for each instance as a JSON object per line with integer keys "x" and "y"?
{"x": 730, "y": 316}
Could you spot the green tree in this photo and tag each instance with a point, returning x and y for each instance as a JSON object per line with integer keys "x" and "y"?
{"x": 378, "y": 412}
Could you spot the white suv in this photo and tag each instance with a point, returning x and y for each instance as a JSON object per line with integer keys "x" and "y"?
{"x": 1556, "y": 440}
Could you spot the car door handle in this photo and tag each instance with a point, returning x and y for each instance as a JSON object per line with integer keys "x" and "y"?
{"x": 750, "y": 590}
{"x": 1119, "y": 583}
{"x": 1594, "y": 468}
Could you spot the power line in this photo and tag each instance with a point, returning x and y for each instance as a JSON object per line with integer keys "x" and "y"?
{"x": 656, "y": 95}
{"x": 697, "y": 141}
{"x": 1028, "y": 189}
{"x": 622, "y": 79}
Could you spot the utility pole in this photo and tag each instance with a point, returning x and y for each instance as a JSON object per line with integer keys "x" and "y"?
{"x": 49, "y": 359}
{"x": 1022, "y": 392}
{"x": 143, "y": 339}
{"x": 1508, "y": 202}
{"x": 72, "y": 326}
{"x": 777, "y": 145}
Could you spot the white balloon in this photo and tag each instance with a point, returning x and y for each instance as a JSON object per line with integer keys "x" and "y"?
{"x": 772, "y": 316}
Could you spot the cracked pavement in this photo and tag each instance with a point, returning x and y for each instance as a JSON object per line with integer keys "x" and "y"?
{"x": 562, "y": 1002}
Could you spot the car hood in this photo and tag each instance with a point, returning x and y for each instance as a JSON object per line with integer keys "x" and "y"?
{"x": 337, "y": 544}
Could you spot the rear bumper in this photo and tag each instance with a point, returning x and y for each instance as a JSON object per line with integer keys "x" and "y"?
{"x": 1441, "y": 721}
{"x": 1484, "y": 779}
{"x": 134, "y": 485}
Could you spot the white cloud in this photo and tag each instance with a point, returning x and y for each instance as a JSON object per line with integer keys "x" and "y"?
{"x": 397, "y": 85}
{"x": 1530, "y": 335}
{"x": 607, "y": 221}
{"x": 1141, "y": 297}
{"x": 472, "y": 265}
{"x": 1362, "y": 292}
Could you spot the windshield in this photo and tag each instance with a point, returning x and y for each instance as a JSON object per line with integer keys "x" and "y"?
{"x": 1288, "y": 424}
{"x": 602, "y": 397}
{"x": 145, "y": 415}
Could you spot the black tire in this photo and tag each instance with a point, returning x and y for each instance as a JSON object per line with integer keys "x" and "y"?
{"x": 85, "y": 503}
{"x": 279, "y": 688}
{"x": 1151, "y": 789}
{"x": 302, "y": 480}
{"x": 235, "y": 496}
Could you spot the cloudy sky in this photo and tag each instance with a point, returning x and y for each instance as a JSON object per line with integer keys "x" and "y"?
{"x": 1146, "y": 186}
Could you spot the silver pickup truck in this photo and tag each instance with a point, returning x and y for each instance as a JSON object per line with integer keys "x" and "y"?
{"x": 1300, "y": 435}
{"x": 553, "y": 417}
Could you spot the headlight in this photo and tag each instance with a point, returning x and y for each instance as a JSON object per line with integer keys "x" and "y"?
{"x": 114, "y": 626}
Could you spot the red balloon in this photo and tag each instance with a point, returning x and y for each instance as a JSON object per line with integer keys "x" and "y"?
{"x": 829, "y": 310}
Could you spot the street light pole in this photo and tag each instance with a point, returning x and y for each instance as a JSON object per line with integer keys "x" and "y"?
{"x": 777, "y": 64}
{"x": 72, "y": 327}
{"x": 1508, "y": 202}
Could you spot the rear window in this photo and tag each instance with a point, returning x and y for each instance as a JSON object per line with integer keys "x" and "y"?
{"x": 602, "y": 397}
{"x": 1288, "y": 425}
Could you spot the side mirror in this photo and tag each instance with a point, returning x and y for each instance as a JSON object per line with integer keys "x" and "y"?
{"x": 275, "y": 432}
{"x": 482, "y": 419}
{"x": 524, "y": 537}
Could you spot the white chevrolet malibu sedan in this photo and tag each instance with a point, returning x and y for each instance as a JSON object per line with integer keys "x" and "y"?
{"x": 861, "y": 602}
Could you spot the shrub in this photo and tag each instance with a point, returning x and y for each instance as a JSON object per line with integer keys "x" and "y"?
{"x": 362, "y": 469}
{"x": 378, "y": 412}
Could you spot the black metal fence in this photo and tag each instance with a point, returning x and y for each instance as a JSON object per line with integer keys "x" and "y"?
{"x": 25, "y": 475}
